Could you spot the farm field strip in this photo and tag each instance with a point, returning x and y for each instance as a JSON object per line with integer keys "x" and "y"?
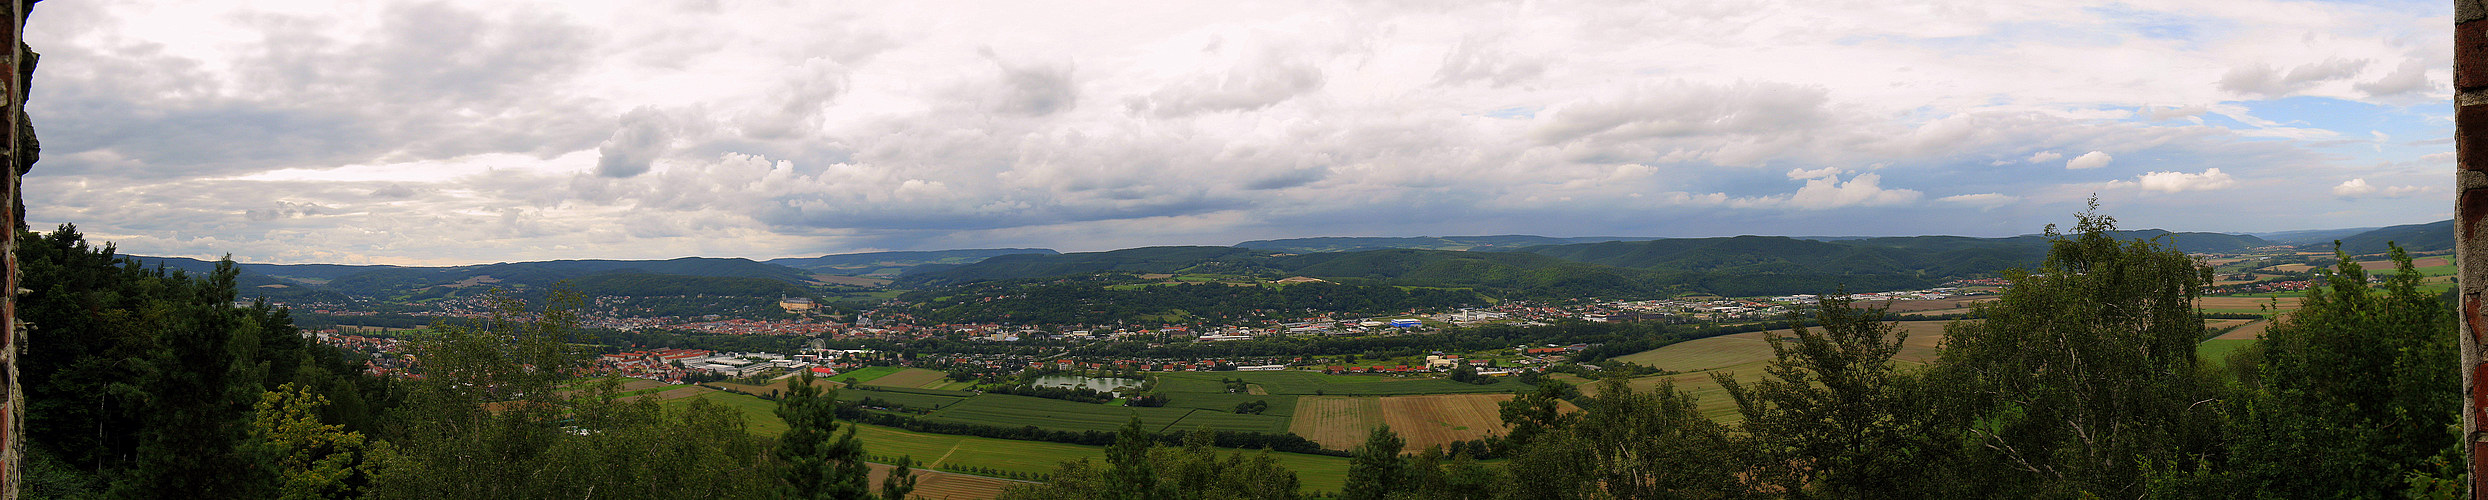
{"x": 1922, "y": 346}
{"x": 1336, "y": 422}
{"x": 1279, "y": 405}
{"x": 1723, "y": 351}
{"x": 1312, "y": 383}
{"x": 1229, "y": 421}
{"x": 1705, "y": 354}
{"x": 911, "y": 400}
{"x": 1013, "y": 411}
{"x": 1318, "y": 473}
{"x": 912, "y": 378}
{"x": 938, "y": 485}
{"x": 1437, "y": 420}
{"x": 865, "y": 374}
{"x": 677, "y": 393}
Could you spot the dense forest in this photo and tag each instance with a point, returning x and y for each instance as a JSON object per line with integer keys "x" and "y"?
{"x": 147, "y": 382}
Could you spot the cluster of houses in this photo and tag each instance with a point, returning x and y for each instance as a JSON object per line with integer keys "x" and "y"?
{"x": 760, "y": 327}
{"x": 386, "y": 357}
{"x": 1162, "y": 365}
{"x": 675, "y": 365}
{"x": 2266, "y": 286}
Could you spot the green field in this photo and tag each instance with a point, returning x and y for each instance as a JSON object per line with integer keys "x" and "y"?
{"x": 908, "y": 399}
{"x": 1280, "y": 405}
{"x": 2216, "y": 351}
{"x": 1319, "y": 473}
{"x": 1703, "y": 354}
{"x": 1304, "y": 383}
{"x": 1012, "y": 411}
{"x": 866, "y": 374}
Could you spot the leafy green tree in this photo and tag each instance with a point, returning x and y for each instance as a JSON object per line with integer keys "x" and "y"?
{"x": 2352, "y": 393}
{"x": 1131, "y": 475}
{"x": 820, "y": 462}
{"x": 311, "y": 459}
{"x": 142, "y": 380}
{"x": 1834, "y": 417}
{"x": 1538, "y": 411}
{"x": 2081, "y": 373}
{"x": 901, "y": 481}
{"x": 1436, "y": 475}
{"x": 1138, "y": 468}
{"x": 488, "y": 410}
{"x": 1377, "y": 471}
{"x": 1629, "y": 444}
{"x": 1656, "y": 445}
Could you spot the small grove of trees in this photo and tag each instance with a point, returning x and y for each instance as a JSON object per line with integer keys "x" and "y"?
{"x": 1138, "y": 468}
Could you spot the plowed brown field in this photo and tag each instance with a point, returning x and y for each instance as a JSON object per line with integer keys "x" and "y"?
{"x": 937, "y": 485}
{"x": 1342, "y": 422}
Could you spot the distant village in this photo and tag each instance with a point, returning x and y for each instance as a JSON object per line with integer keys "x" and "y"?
{"x": 696, "y": 365}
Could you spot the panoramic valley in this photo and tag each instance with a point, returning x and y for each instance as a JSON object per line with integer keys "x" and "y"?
{"x": 987, "y": 369}
{"x": 1185, "y": 250}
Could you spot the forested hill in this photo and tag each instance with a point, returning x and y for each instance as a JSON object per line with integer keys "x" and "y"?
{"x": 1740, "y": 265}
{"x": 1503, "y": 273}
{"x": 1131, "y": 260}
{"x": 2190, "y": 242}
{"x": 893, "y": 263}
{"x": 2429, "y": 237}
{"x": 1358, "y": 244}
{"x": 1910, "y": 255}
{"x": 683, "y": 276}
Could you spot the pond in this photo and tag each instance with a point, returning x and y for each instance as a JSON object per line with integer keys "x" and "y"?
{"x": 1093, "y": 383}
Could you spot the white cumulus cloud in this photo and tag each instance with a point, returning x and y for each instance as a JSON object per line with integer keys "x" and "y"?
{"x": 2089, "y": 160}
{"x": 2176, "y": 182}
{"x": 2355, "y": 188}
{"x": 1980, "y": 200}
{"x": 1829, "y": 192}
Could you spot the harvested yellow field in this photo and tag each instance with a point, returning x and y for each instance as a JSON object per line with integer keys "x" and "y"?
{"x": 1704, "y": 354}
{"x": 1744, "y": 356}
{"x": 1336, "y": 422}
{"x": 2253, "y": 330}
{"x": 1342, "y": 422}
{"x": 1439, "y": 419}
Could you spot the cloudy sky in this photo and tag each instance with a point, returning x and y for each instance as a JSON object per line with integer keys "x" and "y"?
{"x": 461, "y": 132}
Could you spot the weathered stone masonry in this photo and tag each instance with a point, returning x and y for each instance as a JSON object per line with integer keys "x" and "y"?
{"x": 2470, "y": 82}
{"x": 17, "y": 70}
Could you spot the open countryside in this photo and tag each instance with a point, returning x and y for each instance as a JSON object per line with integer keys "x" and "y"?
{"x": 458, "y": 249}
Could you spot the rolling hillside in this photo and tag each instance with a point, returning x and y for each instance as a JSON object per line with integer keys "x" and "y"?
{"x": 1357, "y": 244}
{"x": 2429, "y": 237}
{"x": 895, "y": 263}
{"x": 683, "y": 276}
